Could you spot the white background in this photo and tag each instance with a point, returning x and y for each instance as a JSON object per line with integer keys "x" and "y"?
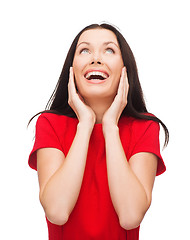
{"x": 35, "y": 37}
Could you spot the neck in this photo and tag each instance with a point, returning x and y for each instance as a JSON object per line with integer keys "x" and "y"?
{"x": 99, "y": 106}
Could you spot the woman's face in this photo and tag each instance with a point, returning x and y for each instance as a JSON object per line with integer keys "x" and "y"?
{"x": 97, "y": 64}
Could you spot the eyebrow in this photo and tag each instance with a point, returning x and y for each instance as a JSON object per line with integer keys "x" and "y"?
{"x": 105, "y": 43}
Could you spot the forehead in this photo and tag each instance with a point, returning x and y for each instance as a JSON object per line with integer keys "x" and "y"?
{"x": 98, "y": 36}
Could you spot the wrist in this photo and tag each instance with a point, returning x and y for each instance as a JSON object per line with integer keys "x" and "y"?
{"x": 87, "y": 120}
{"x": 85, "y": 127}
{"x": 110, "y": 130}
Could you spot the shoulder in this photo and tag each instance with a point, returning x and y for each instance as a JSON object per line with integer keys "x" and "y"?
{"x": 51, "y": 117}
{"x": 141, "y": 135}
{"x": 139, "y": 126}
{"x": 62, "y": 126}
{"x": 55, "y": 119}
{"x": 132, "y": 121}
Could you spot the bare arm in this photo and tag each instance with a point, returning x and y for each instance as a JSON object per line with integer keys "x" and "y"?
{"x": 130, "y": 183}
{"x": 60, "y": 178}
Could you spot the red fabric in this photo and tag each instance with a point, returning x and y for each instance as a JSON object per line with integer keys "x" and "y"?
{"x": 94, "y": 216}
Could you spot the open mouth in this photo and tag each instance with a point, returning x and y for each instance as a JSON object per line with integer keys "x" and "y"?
{"x": 96, "y": 75}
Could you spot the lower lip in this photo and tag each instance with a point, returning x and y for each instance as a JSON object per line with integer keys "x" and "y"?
{"x": 95, "y": 81}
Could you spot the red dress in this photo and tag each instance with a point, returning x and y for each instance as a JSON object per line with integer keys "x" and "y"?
{"x": 94, "y": 217}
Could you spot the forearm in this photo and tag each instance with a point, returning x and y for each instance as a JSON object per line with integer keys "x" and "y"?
{"x": 61, "y": 192}
{"x": 127, "y": 193}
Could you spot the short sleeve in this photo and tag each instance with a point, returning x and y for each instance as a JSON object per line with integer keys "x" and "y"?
{"x": 148, "y": 141}
{"x": 45, "y": 137}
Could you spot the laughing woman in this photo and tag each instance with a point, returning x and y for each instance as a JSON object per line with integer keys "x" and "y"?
{"x": 97, "y": 148}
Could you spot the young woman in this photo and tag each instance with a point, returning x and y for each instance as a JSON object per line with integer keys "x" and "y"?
{"x": 97, "y": 148}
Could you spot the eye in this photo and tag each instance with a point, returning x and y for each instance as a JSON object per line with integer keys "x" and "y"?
{"x": 110, "y": 50}
{"x": 84, "y": 50}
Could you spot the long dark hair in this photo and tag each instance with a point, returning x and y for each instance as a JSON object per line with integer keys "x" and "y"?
{"x": 136, "y": 107}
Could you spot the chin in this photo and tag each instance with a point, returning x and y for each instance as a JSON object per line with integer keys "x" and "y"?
{"x": 97, "y": 94}
{"x": 105, "y": 90}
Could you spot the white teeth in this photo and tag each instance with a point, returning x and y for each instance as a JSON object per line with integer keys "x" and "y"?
{"x": 96, "y": 74}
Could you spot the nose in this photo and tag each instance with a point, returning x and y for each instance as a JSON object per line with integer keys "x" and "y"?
{"x": 96, "y": 60}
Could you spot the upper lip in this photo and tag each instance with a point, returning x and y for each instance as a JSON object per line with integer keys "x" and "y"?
{"x": 96, "y": 70}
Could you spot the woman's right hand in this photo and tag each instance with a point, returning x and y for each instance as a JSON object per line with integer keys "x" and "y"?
{"x": 84, "y": 113}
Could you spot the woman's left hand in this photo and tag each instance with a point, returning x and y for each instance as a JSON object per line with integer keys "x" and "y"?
{"x": 112, "y": 115}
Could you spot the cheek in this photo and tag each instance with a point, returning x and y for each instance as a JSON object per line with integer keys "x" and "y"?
{"x": 77, "y": 78}
{"x": 116, "y": 65}
{"x": 117, "y": 74}
{"x": 80, "y": 61}
{"x": 76, "y": 70}
{"x": 116, "y": 77}
{"x": 76, "y": 66}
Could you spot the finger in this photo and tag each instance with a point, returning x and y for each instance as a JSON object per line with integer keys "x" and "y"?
{"x": 127, "y": 82}
{"x": 121, "y": 83}
{"x": 71, "y": 81}
{"x": 124, "y": 86}
{"x": 71, "y": 89}
{"x": 124, "y": 82}
{"x": 72, "y": 92}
